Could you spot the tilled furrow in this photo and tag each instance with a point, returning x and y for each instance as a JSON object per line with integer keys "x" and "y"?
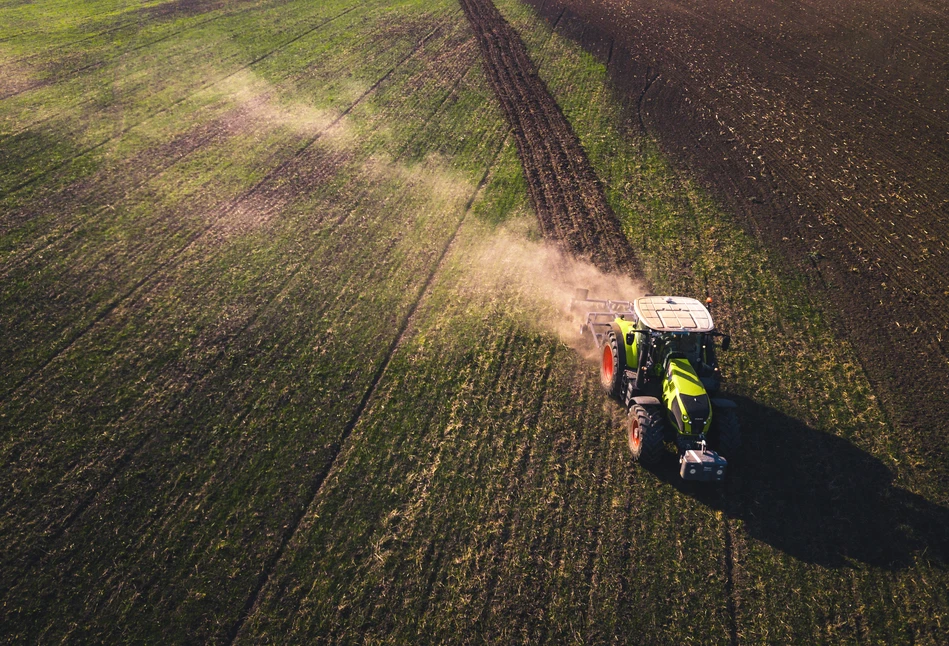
{"x": 568, "y": 199}
{"x": 577, "y": 179}
{"x": 544, "y": 153}
{"x": 544, "y": 166}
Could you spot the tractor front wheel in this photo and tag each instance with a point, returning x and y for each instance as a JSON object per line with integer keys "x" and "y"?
{"x": 644, "y": 426}
{"x": 727, "y": 434}
{"x": 612, "y": 366}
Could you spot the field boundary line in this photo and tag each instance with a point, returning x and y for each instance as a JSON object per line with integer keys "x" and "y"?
{"x": 316, "y": 484}
{"x": 232, "y": 204}
{"x": 175, "y": 103}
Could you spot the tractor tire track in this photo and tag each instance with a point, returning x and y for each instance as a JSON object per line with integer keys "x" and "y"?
{"x": 107, "y": 187}
{"x": 321, "y": 476}
{"x": 196, "y": 236}
{"x": 82, "y": 153}
{"x": 40, "y": 548}
{"x": 108, "y": 59}
{"x": 564, "y": 190}
{"x": 35, "y": 555}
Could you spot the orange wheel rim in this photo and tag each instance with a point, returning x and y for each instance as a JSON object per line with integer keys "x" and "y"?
{"x": 608, "y": 363}
{"x": 635, "y": 434}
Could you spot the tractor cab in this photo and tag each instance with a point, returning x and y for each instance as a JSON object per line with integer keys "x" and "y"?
{"x": 678, "y": 328}
{"x": 678, "y": 345}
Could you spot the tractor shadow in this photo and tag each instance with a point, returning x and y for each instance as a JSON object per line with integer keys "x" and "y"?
{"x": 819, "y": 498}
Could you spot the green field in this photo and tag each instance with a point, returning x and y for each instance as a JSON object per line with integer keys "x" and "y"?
{"x": 284, "y": 359}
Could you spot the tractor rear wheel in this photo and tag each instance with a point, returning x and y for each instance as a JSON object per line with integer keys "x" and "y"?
{"x": 727, "y": 434}
{"x": 612, "y": 366}
{"x": 644, "y": 426}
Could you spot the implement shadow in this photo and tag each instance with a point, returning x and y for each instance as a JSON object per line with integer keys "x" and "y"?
{"x": 819, "y": 498}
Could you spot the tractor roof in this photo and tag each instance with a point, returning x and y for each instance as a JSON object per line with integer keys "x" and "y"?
{"x": 673, "y": 314}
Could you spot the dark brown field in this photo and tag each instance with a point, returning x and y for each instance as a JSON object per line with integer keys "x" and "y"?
{"x": 826, "y": 128}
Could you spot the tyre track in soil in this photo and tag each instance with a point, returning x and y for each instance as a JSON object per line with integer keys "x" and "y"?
{"x": 108, "y": 59}
{"x": 35, "y": 555}
{"x": 108, "y": 187}
{"x": 564, "y": 190}
{"x": 223, "y": 212}
{"x": 91, "y": 101}
{"x": 82, "y": 153}
{"x": 316, "y": 484}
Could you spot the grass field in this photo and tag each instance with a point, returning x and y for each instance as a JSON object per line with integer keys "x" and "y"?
{"x": 281, "y": 359}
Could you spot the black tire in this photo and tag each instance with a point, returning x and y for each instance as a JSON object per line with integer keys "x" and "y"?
{"x": 644, "y": 431}
{"x": 612, "y": 366}
{"x": 727, "y": 433}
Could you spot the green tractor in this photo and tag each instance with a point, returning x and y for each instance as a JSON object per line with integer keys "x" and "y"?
{"x": 657, "y": 358}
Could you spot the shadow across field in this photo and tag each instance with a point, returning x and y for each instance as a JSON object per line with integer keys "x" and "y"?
{"x": 819, "y": 498}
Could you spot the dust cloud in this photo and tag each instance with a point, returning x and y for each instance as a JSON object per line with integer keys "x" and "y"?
{"x": 544, "y": 278}
{"x": 258, "y": 101}
{"x": 432, "y": 181}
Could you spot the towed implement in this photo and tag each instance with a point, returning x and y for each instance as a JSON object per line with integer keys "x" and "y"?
{"x": 658, "y": 359}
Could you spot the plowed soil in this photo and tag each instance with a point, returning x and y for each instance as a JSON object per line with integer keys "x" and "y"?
{"x": 825, "y": 129}
{"x": 563, "y": 188}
